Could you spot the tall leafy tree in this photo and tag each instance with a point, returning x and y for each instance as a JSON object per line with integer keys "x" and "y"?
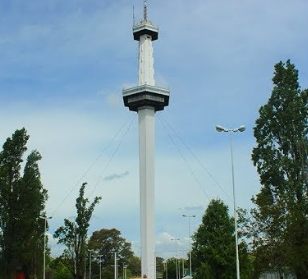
{"x": 74, "y": 234}
{"x": 106, "y": 242}
{"x": 22, "y": 202}
{"x": 280, "y": 155}
{"x": 213, "y": 251}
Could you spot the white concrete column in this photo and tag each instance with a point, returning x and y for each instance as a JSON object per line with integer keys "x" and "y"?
{"x": 146, "y": 61}
{"x": 146, "y": 117}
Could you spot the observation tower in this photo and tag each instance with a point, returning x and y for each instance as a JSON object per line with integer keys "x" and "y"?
{"x": 146, "y": 98}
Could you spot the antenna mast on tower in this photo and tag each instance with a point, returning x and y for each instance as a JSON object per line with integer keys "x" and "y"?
{"x": 145, "y": 10}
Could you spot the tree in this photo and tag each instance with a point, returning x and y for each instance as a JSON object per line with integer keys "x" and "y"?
{"x": 213, "y": 251}
{"x": 59, "y": 269}
{"x": 160, "y": 267}
{"x": 170, "y": 270}
{"x": 105, "y": 243}
{"x": 74, "y": 234}
{"x": 22, "y": 202}
{"x": 281, "y": 213}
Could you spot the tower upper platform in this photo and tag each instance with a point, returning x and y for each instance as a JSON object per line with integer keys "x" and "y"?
{"x": 146, "y": 94}
{"x": 145, "y": 27}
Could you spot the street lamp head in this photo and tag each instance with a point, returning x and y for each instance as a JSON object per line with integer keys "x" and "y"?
{"x": 220, "y": 129}
{"x": 242, "y": 128}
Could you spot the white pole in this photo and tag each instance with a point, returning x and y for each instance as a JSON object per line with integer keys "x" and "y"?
{"x": 44, "y": 251}
{"x": 190, "y": 272}
{"x": 100, "y": 267}
{"x": 235, "y": 213}
{"x": 189, "y": 237}
{"x": 115, "y": 265}
{"x": 230, "y": 131}
{"x": 90, "y": 271}
{"x": 44, "y": 243}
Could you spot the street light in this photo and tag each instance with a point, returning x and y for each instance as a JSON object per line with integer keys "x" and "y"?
{"x": 100, "y": 265}
{"x": 233, "y": 130}
{"x": 176, "y": 259}
{"x": 189, "y": 235}
{"x": 90, "y": 261}
{"x": 124, "y": 271}
{"x": 44, "y": 250}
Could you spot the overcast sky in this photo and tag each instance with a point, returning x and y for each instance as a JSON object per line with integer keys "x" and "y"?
{"x": 63, "y": 67}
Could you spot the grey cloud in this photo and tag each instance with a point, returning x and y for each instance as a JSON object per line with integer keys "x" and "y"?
{"x": 116, "y": 176}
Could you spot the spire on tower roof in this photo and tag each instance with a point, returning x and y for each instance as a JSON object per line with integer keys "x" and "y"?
{"x": 145, "y": 10}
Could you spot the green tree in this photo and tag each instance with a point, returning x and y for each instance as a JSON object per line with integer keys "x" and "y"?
{"x": 170, "y": 268}
{"x": 58, "y": 269}
{"x": 280, "y": 156}
{"x": 106, "y": 242}
{"x": 134, "y": 266}
{"x": 22, "y": 202}
{"x": 159, "y": 267}
{"x": 213, "y": 251}
{"x": 74, "y": 234}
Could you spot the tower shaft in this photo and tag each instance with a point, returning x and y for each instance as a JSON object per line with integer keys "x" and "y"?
{"x": 146, "y": 175}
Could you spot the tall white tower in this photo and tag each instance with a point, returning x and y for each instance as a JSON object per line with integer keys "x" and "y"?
{"x": 146, "y": 99}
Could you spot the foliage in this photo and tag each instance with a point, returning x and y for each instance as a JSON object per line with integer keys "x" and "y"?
{"x": 280, "y": 216}
{"x": 59, "y": 269}
{"x": 213, "y": 251}
{"x": 74, "y": 234}
{"x": 22, "y": 202}
{"x": 159, "y": 267}
{"x": 171, "y": 265}
{"x": 106, "y": 242}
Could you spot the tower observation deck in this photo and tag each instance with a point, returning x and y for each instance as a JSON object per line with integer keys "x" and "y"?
{"x": 146, "y": 93}
{"x": 146, "y": 98}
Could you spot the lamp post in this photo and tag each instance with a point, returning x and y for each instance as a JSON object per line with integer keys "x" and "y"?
{"x": 100, "y": 266}
{"x": 90, "y": 261}
{"x": 176, "y": 259}
{"x": 115, "y": 266}
{"x": 124, "y": 271}
{"x": 44, "y": 250}
{"x": 230, "y": 131}
{"x": 189, "y": 235}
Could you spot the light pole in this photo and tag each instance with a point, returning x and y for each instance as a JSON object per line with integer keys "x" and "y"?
{"x": 90, "y": 261}
{"x": 100, "y": 266}
{"x": 230, "y": 131}
{"x": 189, "y": 235}
{"x": 124, "y": 271}
{"x": 44, "y": 250}
{"x": 115, "y": 266}
{"x": 176, "y": 259}
{"x": 166, "y": 268}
